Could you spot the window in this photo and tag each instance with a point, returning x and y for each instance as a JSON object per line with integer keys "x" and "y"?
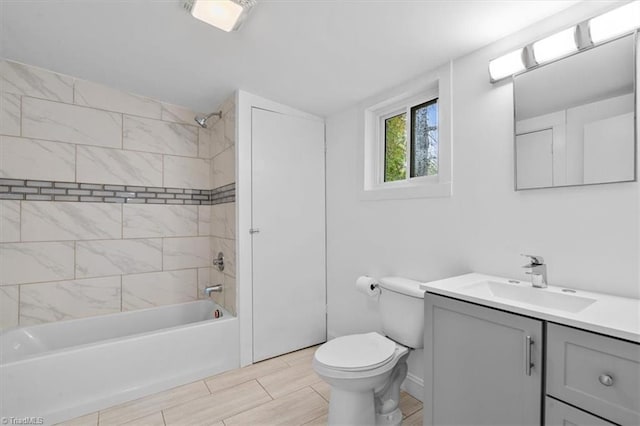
{"x": 395, "y": 148}
{"x": 406, "y": 140}
{"x": 424, "y": 139}
{"x": 413, "y": 143}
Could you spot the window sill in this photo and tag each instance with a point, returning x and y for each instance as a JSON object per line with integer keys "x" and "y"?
{"x": 407, "y": 191}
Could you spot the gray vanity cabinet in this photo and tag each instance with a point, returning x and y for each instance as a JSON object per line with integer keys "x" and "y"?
{"x": 483, "y": 366}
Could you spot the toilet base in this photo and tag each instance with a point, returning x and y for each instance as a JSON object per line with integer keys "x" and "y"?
{"x": 392, "y": 419}
{"x": 351, "y": 408}
{"x": 370, "y": 407}
{"x": 387, "y": 399}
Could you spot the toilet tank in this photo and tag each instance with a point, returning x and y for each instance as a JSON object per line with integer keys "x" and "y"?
{"x": 402, "y": 311}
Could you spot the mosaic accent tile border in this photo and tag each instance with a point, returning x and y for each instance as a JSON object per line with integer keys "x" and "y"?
{"x": 44, "y": 190}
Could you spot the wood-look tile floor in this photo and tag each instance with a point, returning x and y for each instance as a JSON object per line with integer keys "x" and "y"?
{"x": 279, "y": 391}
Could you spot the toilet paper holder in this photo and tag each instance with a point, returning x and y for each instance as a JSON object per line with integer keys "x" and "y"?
{"x": 368, "y": 285}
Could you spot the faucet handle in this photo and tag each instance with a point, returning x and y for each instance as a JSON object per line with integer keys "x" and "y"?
{"x": 535, "y": 260}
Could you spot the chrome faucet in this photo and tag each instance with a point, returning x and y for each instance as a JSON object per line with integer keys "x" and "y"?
{"x": 212, "y": 289}
{"x": 538, "y": 270}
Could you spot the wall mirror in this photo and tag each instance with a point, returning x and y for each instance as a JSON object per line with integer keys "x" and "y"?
{"x": 575, "y": 119}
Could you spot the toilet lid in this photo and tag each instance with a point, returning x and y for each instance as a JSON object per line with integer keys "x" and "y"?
{"x": 356, "y": 352}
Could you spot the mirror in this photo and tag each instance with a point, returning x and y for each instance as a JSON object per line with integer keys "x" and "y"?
{"x": 575, "y": 119}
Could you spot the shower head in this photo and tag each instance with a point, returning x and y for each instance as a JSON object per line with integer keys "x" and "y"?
{"x": 202, "y": 121}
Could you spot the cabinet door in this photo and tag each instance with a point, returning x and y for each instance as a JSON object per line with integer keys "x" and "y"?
{"x": 483, "y": 366}
{"x": 561, "y": 414}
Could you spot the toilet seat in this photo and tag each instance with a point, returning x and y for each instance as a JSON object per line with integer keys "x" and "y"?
{"x": 356, "y": 352}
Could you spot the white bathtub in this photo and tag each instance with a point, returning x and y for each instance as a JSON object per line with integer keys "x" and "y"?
{"x": 62, "y": 370}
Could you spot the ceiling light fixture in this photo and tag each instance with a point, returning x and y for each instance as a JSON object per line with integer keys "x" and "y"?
{"x": 506, "y": 65}
{"x": 615, "y": 23}
{"x": 228, "y": 15}
{"x": 555, "y": 46}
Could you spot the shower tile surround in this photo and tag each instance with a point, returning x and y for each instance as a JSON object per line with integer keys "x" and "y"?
{"x": 105, "y": 200}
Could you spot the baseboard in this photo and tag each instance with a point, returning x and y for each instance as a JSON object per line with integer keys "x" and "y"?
{"x": 414, "y": 386}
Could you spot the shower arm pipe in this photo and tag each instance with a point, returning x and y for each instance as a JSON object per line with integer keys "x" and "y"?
{"x": 218, "y": 113}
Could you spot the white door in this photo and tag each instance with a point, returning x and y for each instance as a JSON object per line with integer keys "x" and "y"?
{"x": 288, "y": 240}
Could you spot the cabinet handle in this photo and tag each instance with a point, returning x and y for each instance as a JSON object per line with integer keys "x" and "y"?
{"x": 528, "y": 365}
{"x": 606, "y": 379}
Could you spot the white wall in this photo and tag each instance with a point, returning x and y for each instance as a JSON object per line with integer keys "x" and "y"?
{"x": 587, "y": 235}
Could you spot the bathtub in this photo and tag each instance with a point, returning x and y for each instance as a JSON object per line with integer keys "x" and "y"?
{"x": 62, "y": 370}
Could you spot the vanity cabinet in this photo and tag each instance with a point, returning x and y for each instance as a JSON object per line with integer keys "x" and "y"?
{"x": 483, "y": 366}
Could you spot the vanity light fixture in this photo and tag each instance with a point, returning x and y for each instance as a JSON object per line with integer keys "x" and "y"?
{"x": 555, "y": 46}
{"x": 228, "y": 15}
{"x": 506, "y": 65}
{"x": 616, "y": 22}
{"x": 609, "y": 25}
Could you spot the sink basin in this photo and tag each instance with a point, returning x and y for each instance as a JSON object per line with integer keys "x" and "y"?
{"x": 525, "y": 293}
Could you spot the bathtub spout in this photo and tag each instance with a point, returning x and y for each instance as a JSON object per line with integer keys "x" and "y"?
{"x": 212, "y": 288}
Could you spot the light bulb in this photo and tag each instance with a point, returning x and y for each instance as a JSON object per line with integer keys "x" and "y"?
{"x": 555, "y": 46}
{"x": 616, "y": 22}
{"x": 506, "y": 65}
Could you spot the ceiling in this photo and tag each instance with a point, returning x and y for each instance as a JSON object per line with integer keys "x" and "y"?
{"x": 320, "y": 56}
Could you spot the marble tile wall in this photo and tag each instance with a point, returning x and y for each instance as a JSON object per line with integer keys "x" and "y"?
{"x": 64, "y": 260}
{"x": 222, "y": 222}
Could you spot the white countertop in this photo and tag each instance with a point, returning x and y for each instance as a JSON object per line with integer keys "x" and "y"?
{"x": 611, "y": 315}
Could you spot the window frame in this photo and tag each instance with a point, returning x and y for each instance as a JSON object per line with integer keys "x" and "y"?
{"x": 433, "y": 85}
{"x": 382, "y": 132}
{"x": 412, "y": 141}
{"x": 407, "y": 108}
{"x": 397, "y": 108}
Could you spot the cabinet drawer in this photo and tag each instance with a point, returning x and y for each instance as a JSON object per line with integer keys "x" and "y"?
{"x": 561, "y": 414}
{"x": 597, "y": 373}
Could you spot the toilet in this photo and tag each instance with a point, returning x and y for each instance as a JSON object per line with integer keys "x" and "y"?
{"x": 365, "y": 371}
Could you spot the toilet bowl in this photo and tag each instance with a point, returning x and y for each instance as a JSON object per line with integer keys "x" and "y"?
{"x": 365, "y": 372}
